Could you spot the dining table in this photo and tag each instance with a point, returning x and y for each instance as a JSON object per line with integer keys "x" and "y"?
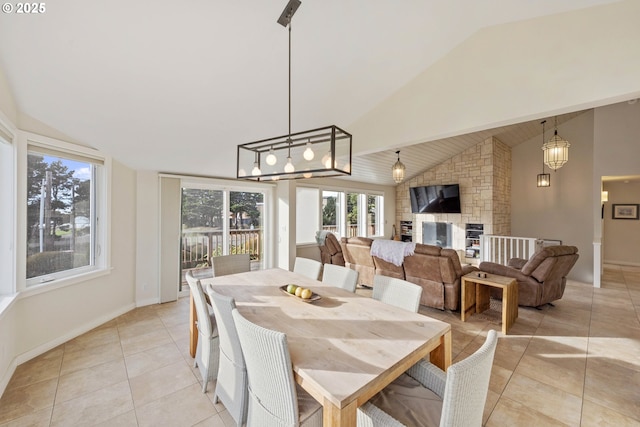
{"x": 344, "y": 347}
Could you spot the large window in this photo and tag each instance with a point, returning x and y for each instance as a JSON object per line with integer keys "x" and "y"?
{"x": 65, "y": 202}
{"x": 347, "y": 214}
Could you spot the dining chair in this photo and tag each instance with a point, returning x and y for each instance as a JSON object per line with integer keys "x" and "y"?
{"x": 428, "y": 396}
{"x": 230, "y": 264}
{"x": 274, "y": 397}
{"x": 307, "y": 267}
{"x": 339, "y": 276}
{"x": 397, "y": 292}
{"x": 208, "y": 347}
{"x": 231, "y": 384}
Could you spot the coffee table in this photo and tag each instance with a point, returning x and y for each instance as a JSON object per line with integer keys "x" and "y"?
{"x": 477, "y": 290}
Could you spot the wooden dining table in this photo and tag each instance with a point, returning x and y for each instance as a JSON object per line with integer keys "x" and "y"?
{"x": 344, "y": 347}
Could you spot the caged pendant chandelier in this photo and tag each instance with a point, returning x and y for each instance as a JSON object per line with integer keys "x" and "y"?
{"x": 544, "y": 179}
{"x": 314, "y": 153}
{"x": 556, "y": 150}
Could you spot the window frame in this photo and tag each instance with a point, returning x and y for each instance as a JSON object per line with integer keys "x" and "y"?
{"x": 8, "y": 143}
{"x": 363, "y": 220}
{"x": 101, "y": 214}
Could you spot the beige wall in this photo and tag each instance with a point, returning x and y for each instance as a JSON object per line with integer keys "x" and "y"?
{"x": 484, "y": 175}
{"x": 564, "y": 210}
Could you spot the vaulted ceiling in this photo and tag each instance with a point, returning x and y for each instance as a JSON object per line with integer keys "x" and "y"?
{"x": 176, "y": 86}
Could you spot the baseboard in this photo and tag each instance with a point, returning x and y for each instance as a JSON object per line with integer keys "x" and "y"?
{"x": 7, "y": 376}
{"x": 24, "y": 357}
{"x": 631, "y": 264}
{"x": 145, "y": 302}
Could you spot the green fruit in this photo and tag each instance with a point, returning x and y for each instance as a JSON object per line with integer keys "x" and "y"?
{"x": 292, "y": 288}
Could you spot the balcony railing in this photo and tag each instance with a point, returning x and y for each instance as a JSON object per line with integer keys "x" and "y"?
{"x": 352, "y": 230}
{"x": 198, "y": 247}
{"x": 500, "y": 249}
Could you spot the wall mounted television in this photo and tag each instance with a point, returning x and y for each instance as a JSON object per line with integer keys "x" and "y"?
{"x": 435, "y": 199}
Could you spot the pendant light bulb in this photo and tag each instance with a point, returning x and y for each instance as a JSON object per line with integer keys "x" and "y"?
{"x": 288, "y": 168}
{"x": 326, "y": 160}
{"x": 271, "y": 158}
{"x": 308, "y": 153}
{"x": 256, "y": 170}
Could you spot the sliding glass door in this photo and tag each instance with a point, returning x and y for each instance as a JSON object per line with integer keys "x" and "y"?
{"x": 220, "y": 221}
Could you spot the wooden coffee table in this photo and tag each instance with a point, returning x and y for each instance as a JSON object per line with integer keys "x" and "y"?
{"x": 476, "y": 292}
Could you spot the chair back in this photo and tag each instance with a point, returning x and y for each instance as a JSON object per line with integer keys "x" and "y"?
{"x": 307, "y": 267}
{"x": 231, "y": 385}
{"x": 398, "y": 292}
{"x": 467, "y": 384}
{"x": 272, "y": 392}
{"x": 205, "y": 324}
{"x": 339, "y": 276}
{"x": 230, "y": 264}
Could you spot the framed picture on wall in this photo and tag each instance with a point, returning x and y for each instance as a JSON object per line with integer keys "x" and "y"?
{"x": 625, "y": 211}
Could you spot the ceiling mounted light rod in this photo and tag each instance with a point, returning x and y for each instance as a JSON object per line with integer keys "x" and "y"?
{"x": 544, "y": 179}
{"x": 296, "y": 148}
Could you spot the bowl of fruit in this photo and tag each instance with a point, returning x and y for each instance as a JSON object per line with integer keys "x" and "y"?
{"x": 302, "y": 293}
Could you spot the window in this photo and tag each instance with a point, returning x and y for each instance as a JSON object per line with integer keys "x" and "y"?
{"x": 347, "y": 214}
{"x": 332, "y": 202}
{"x": 65, "y": 204}
{"x": 7, "y": 205}
{"x": 218, "y": 220}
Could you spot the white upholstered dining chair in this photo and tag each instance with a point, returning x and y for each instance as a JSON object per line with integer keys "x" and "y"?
{"x": 428, "y": 396}
{"x": 307, "y": 267}
{"x": 274, "y": 397}
{"x": 340, "y": 276}
{"x": 398, "y": 292}
{"x": 230, "y": 264}
{"x": 208, "y": 347}
{"x": 231, "y": 384}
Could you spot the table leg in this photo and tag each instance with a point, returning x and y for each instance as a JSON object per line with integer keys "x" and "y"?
{"x": 468, "y": 300}
{"x": 509, "y": 306}
{"x": 483, "y": 294}
{"x": 193, "y": 330}
{"x": 441, "y": 355}
{"x": 332, "y": 416}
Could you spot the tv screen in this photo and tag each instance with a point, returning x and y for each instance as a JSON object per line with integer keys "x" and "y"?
{"x": 435, "y": 199}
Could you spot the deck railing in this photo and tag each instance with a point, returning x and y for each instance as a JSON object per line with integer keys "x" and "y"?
{"x": 198, "y": 247}
{"x": 352, "y": 230}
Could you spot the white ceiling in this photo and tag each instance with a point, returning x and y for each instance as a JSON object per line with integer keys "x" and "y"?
{"x": 176, "y": 86}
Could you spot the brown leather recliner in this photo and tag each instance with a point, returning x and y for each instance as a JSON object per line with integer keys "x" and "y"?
{"x": 357, "y": 255}
{"x": 331, "y": 251}
{"x": 542, "y": 278}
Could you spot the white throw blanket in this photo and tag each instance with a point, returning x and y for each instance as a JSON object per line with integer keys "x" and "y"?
{"x": 321, "y": 236}
{"x": 392, "y": 251}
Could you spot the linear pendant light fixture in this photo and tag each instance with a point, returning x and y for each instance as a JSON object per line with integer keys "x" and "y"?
{"x": 314, "y": 153}
{"x": 544, "y": 179}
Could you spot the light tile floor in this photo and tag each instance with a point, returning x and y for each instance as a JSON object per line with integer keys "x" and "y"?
{"x": 575, "y": 364}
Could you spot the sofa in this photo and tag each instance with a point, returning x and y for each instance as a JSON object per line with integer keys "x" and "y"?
{"x": 436, "y": 270}
{"x": 330, "y": 250}
{"x": 541, "y": 278}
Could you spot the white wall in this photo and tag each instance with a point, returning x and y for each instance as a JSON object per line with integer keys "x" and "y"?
{"x": 511, "y": 73}
{"x": 37, "y": 322}
{"x": 621, "y": 236}
{"x": 563, "y": 210}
